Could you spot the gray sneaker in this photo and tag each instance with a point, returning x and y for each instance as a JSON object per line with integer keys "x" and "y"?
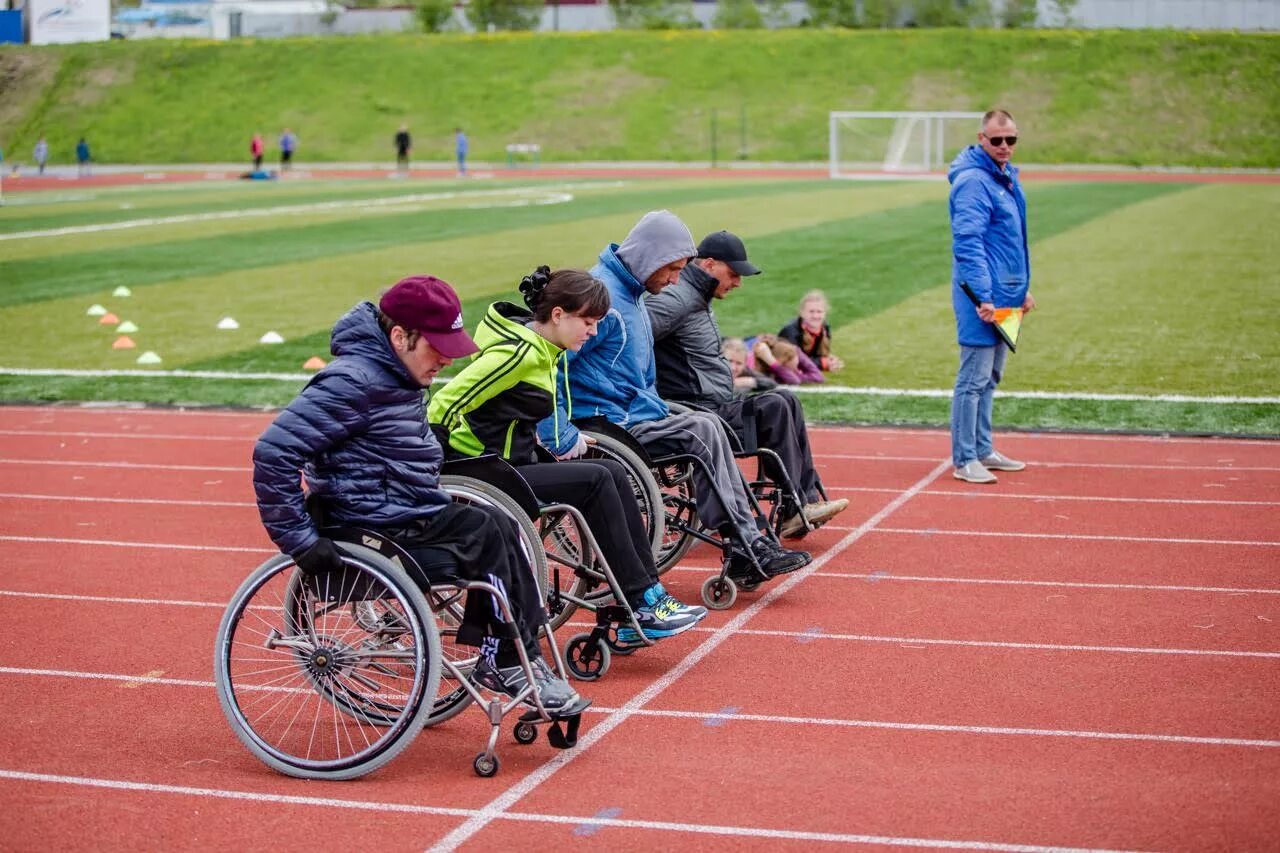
{"x": 997, "y": 461}
{"x": 974, "y": 471}
{"x": 554, "y": 691}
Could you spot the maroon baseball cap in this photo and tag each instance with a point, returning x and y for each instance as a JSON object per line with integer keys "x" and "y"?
{"x": 424, "y": 303}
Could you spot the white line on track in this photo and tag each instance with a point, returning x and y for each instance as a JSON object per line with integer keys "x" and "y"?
{"x": 1032, "y": 496}
{"x": 516, "y": 792}
{"x": 836, "y": 430}
{"x": 997, "y": 644}
{"x": 130, "y": 465}
{"x": 526, "y": 817}
{"x": 857, "y": 638}
{"x": 143, "y": 501}
{"x": 1126, "y": 466}
{"x": 523, "y": 196}
{"x": 608, "y": 712}
{"x": 136, "y": 435}
{"x": 115, "y": 543}
{"x": 1034, "y": 395}
{"x": 1079, "y": 537}
{"x": 876, "y": 577}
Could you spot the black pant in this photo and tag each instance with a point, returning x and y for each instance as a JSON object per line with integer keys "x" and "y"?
{"x": 779, "y": 426}
{"x": 481, "y": 544}
{"x": 601, "y": 491}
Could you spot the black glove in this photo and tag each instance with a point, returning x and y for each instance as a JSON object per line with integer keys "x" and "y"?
{"x": 321, "y": 558}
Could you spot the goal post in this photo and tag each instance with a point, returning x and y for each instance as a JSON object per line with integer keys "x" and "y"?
{"x": 863, "y": 142}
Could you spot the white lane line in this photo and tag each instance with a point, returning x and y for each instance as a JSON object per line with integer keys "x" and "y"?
{"x": 516, "y": 792}
{"x": 858, "y": 638}
{"x": 938, "y": 727}
{"x": 134, "y": 435}
{"x": 1034, "y": 395}
{"x": 137, "y": 410}
{"x": 534, "y": 195}
{"x": 138, "y": 466}
{"x": 1079, "y": 537}
{"x": 527, "y": 817}
{"x": 789, "y": 720}
{"x": 116, "y": 543}
{"x": 1119, "y": 438}
{"x": 876, "y": 577}
{"x": 111, "y": 599}
{"x": 24, "y": 496}
{"x": 1000, "y": 644}
{"x": 1123, "y": 466}
{"x": 1032, "y": 496}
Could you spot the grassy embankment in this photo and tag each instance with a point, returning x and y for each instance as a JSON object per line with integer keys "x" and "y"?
{"x": 1127, "y": 97}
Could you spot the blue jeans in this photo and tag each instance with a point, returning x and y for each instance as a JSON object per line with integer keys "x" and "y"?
{"x": 976, "y": 381}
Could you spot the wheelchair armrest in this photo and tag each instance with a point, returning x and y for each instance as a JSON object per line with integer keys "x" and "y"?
{"x": 500, "y": 474}
{"x": 684, "y": 407}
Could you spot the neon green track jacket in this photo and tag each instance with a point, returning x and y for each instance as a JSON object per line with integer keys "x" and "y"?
{"x": 495, "y": 403}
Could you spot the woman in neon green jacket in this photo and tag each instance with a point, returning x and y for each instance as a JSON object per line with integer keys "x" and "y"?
{"x": 495, "y": 405}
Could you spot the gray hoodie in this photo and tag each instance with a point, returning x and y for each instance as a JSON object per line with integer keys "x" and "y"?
{"x": 656, "y": 240}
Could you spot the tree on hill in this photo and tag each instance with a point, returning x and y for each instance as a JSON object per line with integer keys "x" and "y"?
{"x": 504, "y": 14}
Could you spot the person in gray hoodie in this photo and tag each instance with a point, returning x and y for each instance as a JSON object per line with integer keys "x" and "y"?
{"x": 613, "y": 375}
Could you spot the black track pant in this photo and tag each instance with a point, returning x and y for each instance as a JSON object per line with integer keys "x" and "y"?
{"x": 601, "y": 491}
{"x": 481, "y": 544}
{"x": 779, "y": 426}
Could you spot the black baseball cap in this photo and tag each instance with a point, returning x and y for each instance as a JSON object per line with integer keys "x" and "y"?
{"x": 726, "y": 247}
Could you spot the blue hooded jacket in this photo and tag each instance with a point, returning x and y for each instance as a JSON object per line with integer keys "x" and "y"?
{"x": 359, "y": 432}
{"x": 988, "y": 240}
{"x": 613, "y": 374}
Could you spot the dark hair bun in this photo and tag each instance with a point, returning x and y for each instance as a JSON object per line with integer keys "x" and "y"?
{"x": 533, "y": 285}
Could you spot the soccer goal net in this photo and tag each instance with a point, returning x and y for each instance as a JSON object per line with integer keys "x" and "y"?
{"x": 863, "y": 142}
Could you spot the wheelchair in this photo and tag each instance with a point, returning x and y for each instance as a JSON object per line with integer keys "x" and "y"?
{"x": 331, "y": 676}
{"x": 678, "y": 528}
{"x": 572, "y": 571}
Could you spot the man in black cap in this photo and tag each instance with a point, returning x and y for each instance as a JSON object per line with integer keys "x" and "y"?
{"x": 692, "y": 369}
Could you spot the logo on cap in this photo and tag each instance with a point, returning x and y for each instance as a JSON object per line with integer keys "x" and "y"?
{"x": 457, "y": 323}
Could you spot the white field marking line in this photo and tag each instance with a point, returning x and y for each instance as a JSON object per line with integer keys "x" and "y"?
{"x": 769, "y": 718}
{"x": 834, "y": 431}
{"x": 111, "y": 599}
{"x": 136, "y": 410}
{"x": 869, "y": 457}
{"x": 129, "y": 465}
{"x": 1080, "y": 537}
{"x": 112, "y": 543}
{"x": 30, "y": 497}
{"x": 525, "y": 817}
{"x": 536, "y": 195}
{"x": 145, "y": 436}
{"x": 596, "y": 733}
{"x": 890, "y": 576}
{"x": 998, "y": 644}
{"x": 970, "y": 495}
{"x": 940, "y": 727}
{"x": 1031, "y": 395}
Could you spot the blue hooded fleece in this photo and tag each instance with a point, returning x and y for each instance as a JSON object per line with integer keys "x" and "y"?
{"x": 988, "y": 241}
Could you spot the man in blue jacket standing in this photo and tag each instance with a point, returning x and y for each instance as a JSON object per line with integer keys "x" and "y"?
{"x": 614, "y": 374}
{"x": 989, "y": 248}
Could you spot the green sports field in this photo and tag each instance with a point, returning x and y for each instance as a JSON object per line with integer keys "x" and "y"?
{"x": 1154, "y": 296}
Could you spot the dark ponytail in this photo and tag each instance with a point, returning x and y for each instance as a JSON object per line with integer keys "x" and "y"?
{"x": 573, "y": 291}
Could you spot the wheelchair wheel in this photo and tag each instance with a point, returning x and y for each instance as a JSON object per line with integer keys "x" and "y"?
{"x": 681, "y": 511}
{"x": 586, "y": 659}
{"x": 719, "y": 593}
{"x": 475, "y": 492}
{"x": 643, "y": 484}
{"x": 292, "y": 648}
{"x": 566, "y": 553}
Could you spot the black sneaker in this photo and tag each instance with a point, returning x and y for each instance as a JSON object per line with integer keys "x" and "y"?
{"x": 775, "y": 560}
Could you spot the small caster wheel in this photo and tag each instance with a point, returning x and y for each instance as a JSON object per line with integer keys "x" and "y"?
{"x": 486, "y": 765}
{"x": 719, "y": 593}
{"x": 617, "y": 648}
{"x": 585, "y": 658}
{"x": 525, "y": 733}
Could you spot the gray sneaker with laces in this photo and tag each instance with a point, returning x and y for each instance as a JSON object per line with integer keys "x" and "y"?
{"x": 554, "y": 691}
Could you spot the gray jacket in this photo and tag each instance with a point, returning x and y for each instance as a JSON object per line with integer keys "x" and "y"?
{"x": 686, "y": 338}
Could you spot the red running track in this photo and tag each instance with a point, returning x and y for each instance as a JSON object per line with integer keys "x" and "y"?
{"x": 1082, "y": 656}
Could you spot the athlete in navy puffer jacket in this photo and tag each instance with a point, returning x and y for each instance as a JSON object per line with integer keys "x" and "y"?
{"x": 360, "y": 430}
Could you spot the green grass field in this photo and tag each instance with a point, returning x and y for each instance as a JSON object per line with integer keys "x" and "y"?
{"x": 1145, "y": 289}
{"x": 1155, "y": 97}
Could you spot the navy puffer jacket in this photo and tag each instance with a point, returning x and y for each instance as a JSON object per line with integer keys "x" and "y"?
{"x": 358, "y": 431}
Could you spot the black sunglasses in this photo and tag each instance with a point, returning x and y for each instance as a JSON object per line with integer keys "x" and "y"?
{"x": 997, "y": 141}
